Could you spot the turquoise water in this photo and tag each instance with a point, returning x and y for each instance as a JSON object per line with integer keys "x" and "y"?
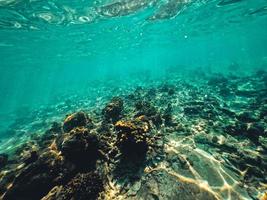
{"x": 189, "y": 76}
{"x": 52, "y": 47}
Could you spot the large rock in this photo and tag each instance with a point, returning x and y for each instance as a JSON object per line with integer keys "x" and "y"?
{"x": 80, "y": 146}
{"x": 113, "y": 109}
{"x": 85, "y": 186}
{"x": 76, "y": 120}
{"x": 161, "y": 185}
{"x": 133, "y": 135}
{"x": 36, "y": 180}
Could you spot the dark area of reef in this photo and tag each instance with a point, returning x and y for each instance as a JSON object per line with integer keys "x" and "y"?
{"x": 81, "y": 156}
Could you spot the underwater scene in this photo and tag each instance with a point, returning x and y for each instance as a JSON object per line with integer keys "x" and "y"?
{"x": 133, "y": 100}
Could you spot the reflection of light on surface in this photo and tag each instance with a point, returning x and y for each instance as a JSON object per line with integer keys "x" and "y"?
{"x": 264, "y": 196}
{"x": 230, "y": 188}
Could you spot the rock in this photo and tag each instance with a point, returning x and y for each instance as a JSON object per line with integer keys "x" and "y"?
{"x": 134, "y": 188}
{"x": 76, "y": 120}
{"x": 246, "y": 117}
{"x": 54, "y": 193}
{"x": 156, "y": 119}
{"x": 132, "y": 136}
{"x": 162, "y": 185}
{"x": 236, "y": 129}
{"x": 36, "y": 180}
{"x": 3, "y": 160}
{"x": 86, "y": 186}
{"x": 263, "y": 196}
{"x": 227, "y": 111}
{"x": 145, "y": 108}
{"x": 193, "y": 110}
{"x": 167, "y": 116}
{"x": 151, "y": 93}
{"x": 113, "y": 109}
{"x": 56, "y": 128}
{"x": 33, "y": 156}
{"x": 169, "y": 89}
{"x": 139, "y": 124}
{"x": 225, "y": 91}
{"x": 246, "y": 93}
{"x": 263, "y": 142}
{"x": 217, "y": 80}
{"x": 80, "y": 146}
{"x": 6, "y": 179}
{"x": 250, "y": 161}
{"x": 168, "y": 10}
{"x": 250, "y": 130}
{"x": 255, "y": 130}
{"x": 263, "y": 112}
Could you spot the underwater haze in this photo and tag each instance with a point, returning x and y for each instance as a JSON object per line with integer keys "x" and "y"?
{"x": 133, "y": 99}
{"x": 52, "y": 47}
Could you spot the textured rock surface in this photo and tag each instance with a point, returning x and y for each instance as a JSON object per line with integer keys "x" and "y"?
{"x": 36, "y": 180}
{"x": 3, "y": 160}
{"x": 180, "y": 140}
{"x": 75, "y": 120}
{"x": 80, "y": 146}
{"x": 82, "y": 187}
{"x": 113, "y": 109}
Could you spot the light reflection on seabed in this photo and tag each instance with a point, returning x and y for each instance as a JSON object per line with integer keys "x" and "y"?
{"x": 210, "y": 174}
{"x": 232, "y": 183}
